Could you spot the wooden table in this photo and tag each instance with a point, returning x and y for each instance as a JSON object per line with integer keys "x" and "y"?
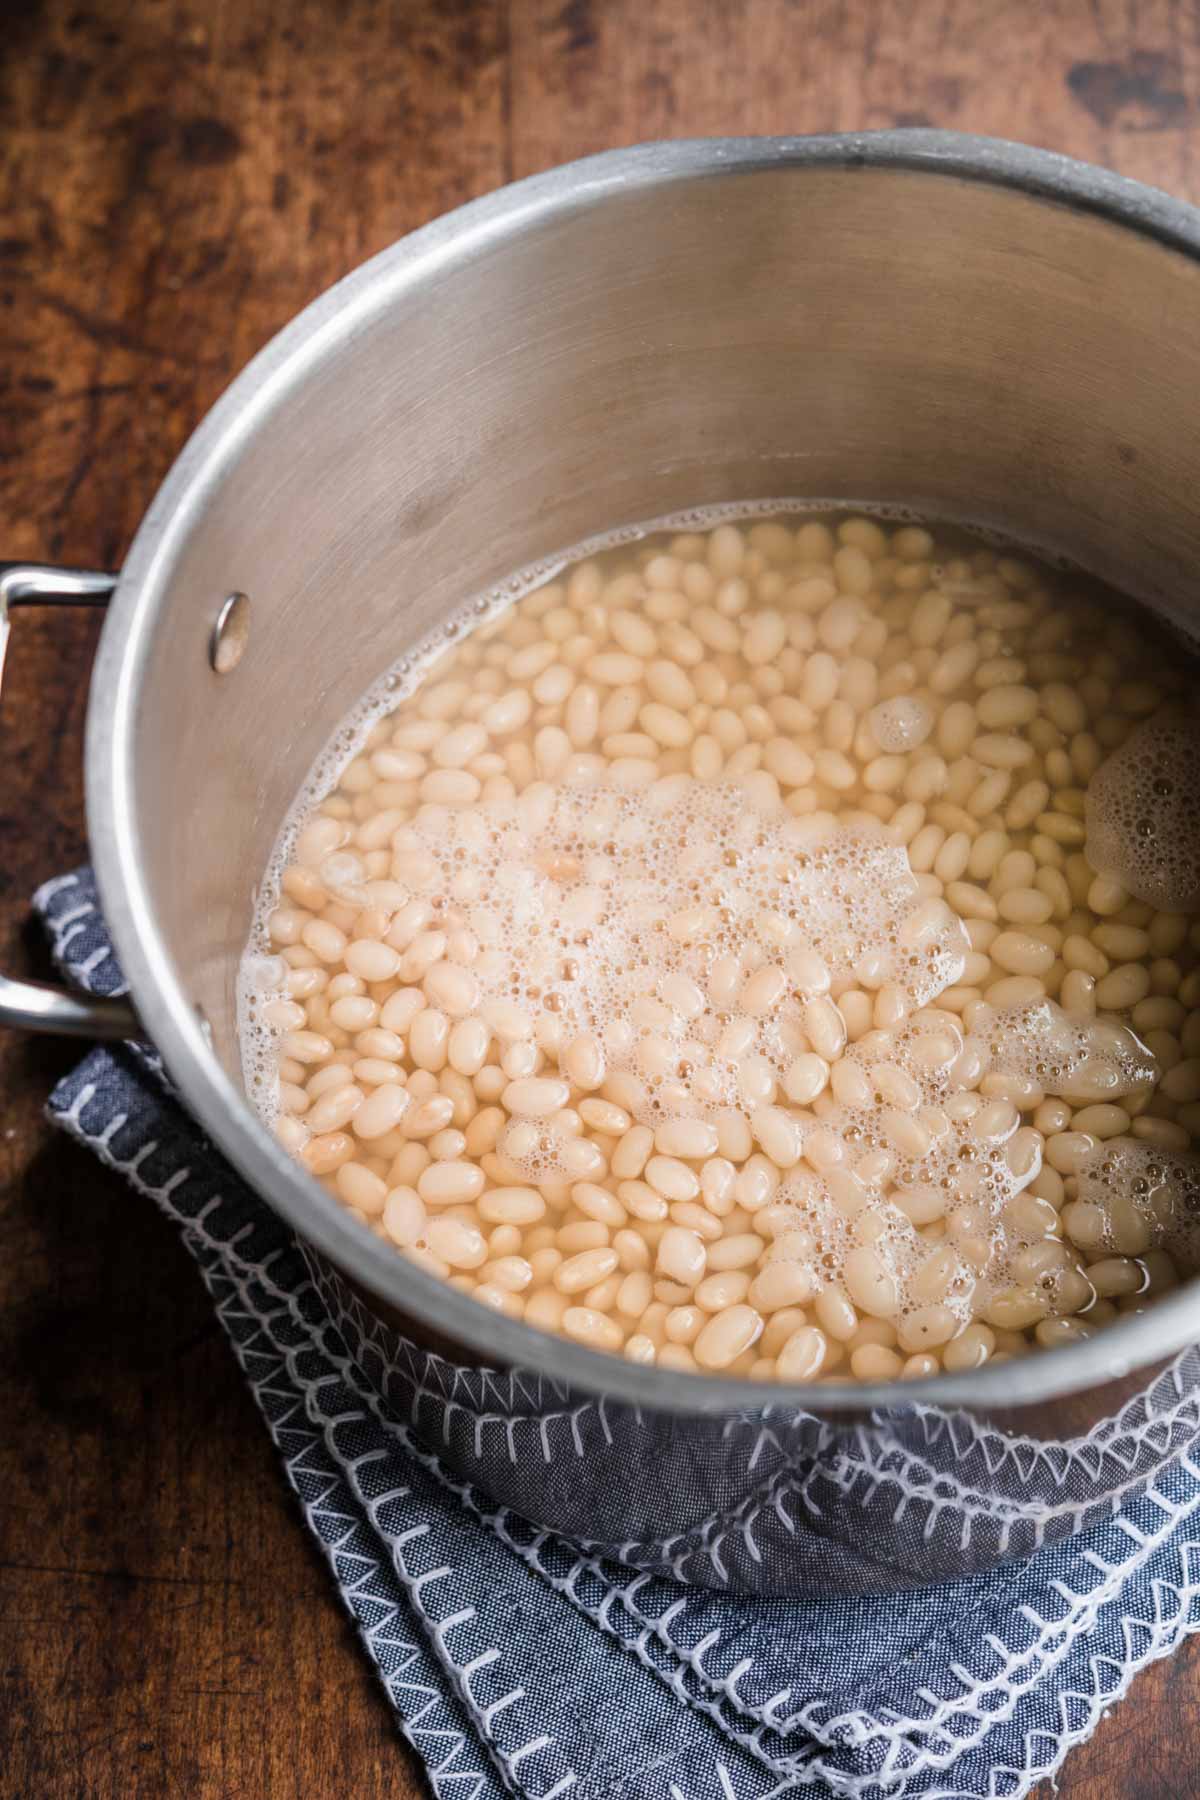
{"x": 177, "y": 181}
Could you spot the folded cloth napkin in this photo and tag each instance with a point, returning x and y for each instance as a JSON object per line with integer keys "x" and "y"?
{"x": 517, "y": 1663}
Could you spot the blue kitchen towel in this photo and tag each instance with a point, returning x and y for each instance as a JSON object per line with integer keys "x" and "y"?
{"x": 517, "y": 1663}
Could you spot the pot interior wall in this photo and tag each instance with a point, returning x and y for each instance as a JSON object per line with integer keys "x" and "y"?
{"x": 865, "y": 333}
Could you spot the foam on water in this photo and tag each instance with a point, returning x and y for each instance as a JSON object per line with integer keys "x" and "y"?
{"x": 1160, "y": 1188}
{"x": 1084, "y": 1060}
{"x": 640, "y": 917}
{"x": 257, "y": 1042}
{"x": 646, "y": 919}
{"x": 1143, "y": 820}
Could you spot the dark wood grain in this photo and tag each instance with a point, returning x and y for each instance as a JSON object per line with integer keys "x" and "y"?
{"x": 175, "y": 181}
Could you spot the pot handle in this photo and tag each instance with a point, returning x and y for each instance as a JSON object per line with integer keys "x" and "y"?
{"x": 33, "y": 1005}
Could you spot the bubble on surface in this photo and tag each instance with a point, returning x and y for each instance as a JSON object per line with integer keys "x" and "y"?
{"x": 1143, "y": 821}
{"x": 265, "y": 972}
{"x": 901, "y": 723}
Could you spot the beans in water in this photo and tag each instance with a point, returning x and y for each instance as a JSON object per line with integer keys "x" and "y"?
{"x": 771, "y": 948}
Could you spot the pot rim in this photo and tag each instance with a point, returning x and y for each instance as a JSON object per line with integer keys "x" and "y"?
{"x": 427, "y": 255}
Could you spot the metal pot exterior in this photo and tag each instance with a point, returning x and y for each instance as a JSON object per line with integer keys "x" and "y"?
{"x": 969, "y": 329}
{"x": 778, "y": 1499}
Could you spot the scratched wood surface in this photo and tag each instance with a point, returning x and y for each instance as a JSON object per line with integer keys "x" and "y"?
{"x": 175, "y": 182}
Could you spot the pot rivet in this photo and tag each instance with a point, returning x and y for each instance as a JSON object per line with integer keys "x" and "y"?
{"x": 229, "y": 634}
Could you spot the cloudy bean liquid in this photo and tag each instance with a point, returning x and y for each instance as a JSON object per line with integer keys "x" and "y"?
{"x": 768, "y": 947}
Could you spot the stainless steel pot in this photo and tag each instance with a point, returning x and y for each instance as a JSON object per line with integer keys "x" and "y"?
{"x": 972, "y": 328}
